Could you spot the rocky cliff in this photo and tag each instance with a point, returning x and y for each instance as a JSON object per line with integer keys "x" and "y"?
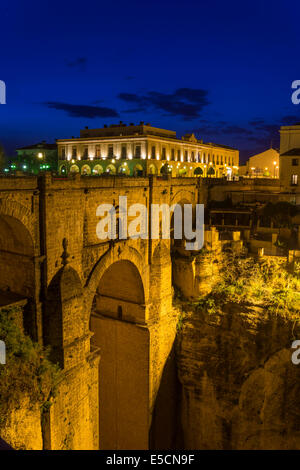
{"x": 239, "y": 387}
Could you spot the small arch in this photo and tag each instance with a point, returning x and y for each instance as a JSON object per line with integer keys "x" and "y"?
{"x": 198, "y": 171}
{"x": 63, "y": 170}
{"x": 98, "y": 170}
{"x": 86, "y": 170}
{"x": 138, "y": 170}
{"x": 210, "y": 171}
{"x": 111, "y": 169}
{"x": 152, "y": 170}
{"x": 74, "y": 169}
{"x": 123, "y": 169}
{"x": 165, "y": 169}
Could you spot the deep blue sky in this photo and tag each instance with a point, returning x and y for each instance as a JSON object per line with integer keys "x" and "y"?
{"x": 222, "y": 69}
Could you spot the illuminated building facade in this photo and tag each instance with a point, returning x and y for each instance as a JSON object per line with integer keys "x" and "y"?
{"x": 35, "y": 158}
{"x": 140, "y": 150}
{"x": 263, "y": 165}
{"x": 290, "y": 158}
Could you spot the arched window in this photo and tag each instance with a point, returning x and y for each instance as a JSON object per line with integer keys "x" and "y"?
{"x": 85, "y": 170}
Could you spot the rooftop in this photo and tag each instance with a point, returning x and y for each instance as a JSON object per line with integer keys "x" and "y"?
{"x": 141, "y": 129}
{"x": 291, "y": 153}
{"x": 39, "y": 145}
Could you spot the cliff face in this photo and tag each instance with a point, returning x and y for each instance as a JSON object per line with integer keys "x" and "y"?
{"x": 239, "y": 387}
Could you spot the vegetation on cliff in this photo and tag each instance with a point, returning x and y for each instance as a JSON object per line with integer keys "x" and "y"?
{"x": 27, "y": 372}
{"x": 266, "y": 282}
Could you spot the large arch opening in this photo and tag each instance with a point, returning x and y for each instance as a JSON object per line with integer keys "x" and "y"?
{"x": 117, "y": 318}
{"x": 120, "y": 293}
{"x": 17, "y": 270}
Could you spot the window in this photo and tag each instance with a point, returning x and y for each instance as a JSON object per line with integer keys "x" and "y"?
{"x": 153, "y": 151}
{"x": 172, "y": 154}
{"x": 124, "y": 151}
{"x": 74, "y": 152}
{"x": 85, "y": 153}
{"x": 138, "y": 151}
{"x": 98, "y": 151}
{"x": 295, "y": 161}
{"x": 193, "y": 157}
{"x": 163, "y": 153}
{"x": 178, "y": 155}
{"x": 63, "y": 153}
{"x": 294, "y": 181}
{"x": 185, "y": 156}
{"x": 217, "y": 159}
{"x": 110, "y": 151}
{"x": 198, "y": 158}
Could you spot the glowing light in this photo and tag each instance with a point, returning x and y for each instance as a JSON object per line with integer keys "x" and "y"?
{"x": 113, "y": 160}
{"x": 40, "y": 155}
{"x": 253, "y": 168}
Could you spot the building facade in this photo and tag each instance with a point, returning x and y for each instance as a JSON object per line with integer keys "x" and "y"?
{"x": 262, "y": 165}
{"x": 35, "y": 158}
{"x": 290, "y": 159}
{"x": 140, "y": 150}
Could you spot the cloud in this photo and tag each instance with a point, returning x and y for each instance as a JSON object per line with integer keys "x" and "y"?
{"x": 77, "y": 63}
{"x": 290, "y": 120}
{"x": 222, "y": 128}
{"x": 184, "y": 102}
{"x": 81, "y": 110}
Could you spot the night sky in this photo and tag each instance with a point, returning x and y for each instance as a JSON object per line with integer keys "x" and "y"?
{"x": 220, "y": 69}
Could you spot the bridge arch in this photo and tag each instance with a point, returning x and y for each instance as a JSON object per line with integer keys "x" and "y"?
{"x": 20, "y": 213}
{"x": 114, "y": 254}
{"x": 18, "y": 270}
{"x": 117, "y": 287}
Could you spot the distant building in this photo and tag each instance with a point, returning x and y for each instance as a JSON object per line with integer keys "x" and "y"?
{"x": 35, "y": 158}
{"x": 140, "y": 150}
{"x": 290, "y": 158}
{"x": 264, "y": 165}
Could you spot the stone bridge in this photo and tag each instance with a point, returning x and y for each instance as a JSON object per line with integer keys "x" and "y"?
{"x": 105, "y": 307}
